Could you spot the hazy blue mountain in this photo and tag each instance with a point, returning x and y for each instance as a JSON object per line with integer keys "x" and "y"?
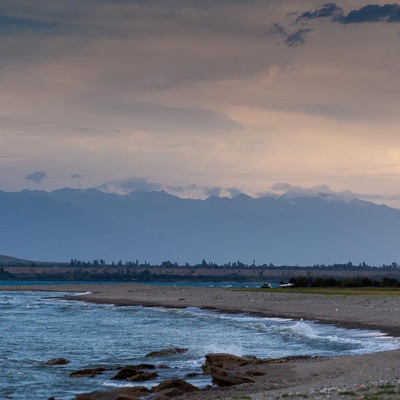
{"x": 155, "y": 226}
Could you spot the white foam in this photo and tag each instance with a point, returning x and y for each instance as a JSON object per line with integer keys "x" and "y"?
{"x": 81, "y": 293}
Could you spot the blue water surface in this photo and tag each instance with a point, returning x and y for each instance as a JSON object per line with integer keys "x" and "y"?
{"x": 36, "y": 327}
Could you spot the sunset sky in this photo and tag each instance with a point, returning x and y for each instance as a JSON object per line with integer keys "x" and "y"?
{"x": 201, "y": 97}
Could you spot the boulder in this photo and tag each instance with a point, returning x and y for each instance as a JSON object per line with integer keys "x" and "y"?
{"x": 126, "y": 372}
{"x": 127, "y": 393}
{"x": 223, "y": 360}
{"x": 145, "y": 366}
{"x": 179, "y": 384}
{"x": 57, "y": 361}
{"x": 166, "y": 352}
{"x": 226, "y": 377}
{"x": 142, "y": 376}
{"x": 167, "y": 394}
{"x": 86, "y": 372}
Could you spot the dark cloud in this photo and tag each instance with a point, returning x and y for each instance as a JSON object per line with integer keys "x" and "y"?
{"x": 387, "y": 13}
{"x": 330, "y": 10}
{"x": 36, "y": 177}
{"x": 129, "y": 185}
{"x": 297, "y": 38}
{"x": 20, "y": 25}
{"x": 373, "y": 13}
{"x": 368, "y": 13}
{"x": 292, "y": 39}
{"x": 76, "y": 176}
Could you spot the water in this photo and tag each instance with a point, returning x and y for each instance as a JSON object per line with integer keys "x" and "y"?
{"x": 35, "y": 328}
{"x": 196, "y": 284}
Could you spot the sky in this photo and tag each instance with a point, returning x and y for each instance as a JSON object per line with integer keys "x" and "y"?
{"x": 201, "y": 97}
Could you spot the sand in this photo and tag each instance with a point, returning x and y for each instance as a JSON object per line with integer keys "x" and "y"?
{"x": 337, "y": 377}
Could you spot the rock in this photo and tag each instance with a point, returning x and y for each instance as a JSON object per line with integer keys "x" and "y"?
{"x": 145, "y": 366}
{"x": 86, "y": 372}
{"x": 224, "y": 377}
{"x": 127, "y": 393}
{"x": 142, "y": 376}
{"x": 166, "y": 352}
{"x": 57, "y": 361}
{"x": 180, "y": 384}
{"x": 254, "y": 372}
{"x": 126, "y": 372}
{"x": 223, "y": 360}
{"x": 167, "y": 394}
{"x": 192, "y": 375}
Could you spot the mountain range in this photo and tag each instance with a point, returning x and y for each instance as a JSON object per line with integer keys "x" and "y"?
{"x": 155, "y": 226}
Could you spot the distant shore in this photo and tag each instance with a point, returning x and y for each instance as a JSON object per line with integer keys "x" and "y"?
{"x": 364, "y": 312}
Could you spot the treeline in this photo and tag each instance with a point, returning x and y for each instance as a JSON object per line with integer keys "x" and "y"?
{"x": 232, "y": 265}
{"x": 303, "y": 281}
{"x": 204, "y": 264}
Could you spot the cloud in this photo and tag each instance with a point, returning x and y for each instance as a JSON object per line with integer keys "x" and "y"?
{"x": 281, "y": 186}
{"x": 330, "y": 10}
{"x": 177, "y": 189}
{"x": 324, "y": 191}
{"x": 192, "y": 186}
{"x": 76, "y": 176}
{"x": 233, "y": 191}
{"x": 292, "y": 39}
{"x": 372, "y": 13}
{"x": 36, "y": 177}
{"x": 298, "y": 191}
{"x": 129, "y": 185}
{"x": 21, "y": 25}
{"x": 213, "y": 191}
{"x": 369, "y": 13}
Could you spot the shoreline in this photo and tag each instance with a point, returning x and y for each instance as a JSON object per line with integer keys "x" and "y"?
{"x": 353, "y": 312}
{"x": 304, "y": 377}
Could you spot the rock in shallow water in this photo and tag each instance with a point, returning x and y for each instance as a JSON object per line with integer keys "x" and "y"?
{"x": 86, "y": 372}
{"x": 57, "y": 361}
{"x": 131, "y": 393}
{"x": 166, "y": 352}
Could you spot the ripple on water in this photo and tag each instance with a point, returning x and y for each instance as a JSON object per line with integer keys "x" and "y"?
{"x": 89, "y": 335}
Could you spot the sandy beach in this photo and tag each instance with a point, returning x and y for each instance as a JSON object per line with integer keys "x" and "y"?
{"x": 341, "y": 377}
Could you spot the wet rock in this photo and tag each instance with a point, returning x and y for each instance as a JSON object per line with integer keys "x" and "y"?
{"x": 166, "y": 352}
{"x": 192, "y": 375}
{"x": 86, "y": 372}
{"x": 126, "y": 372}
{"x": 167, "y": 394}
{"x": 223, "y": 360}
{"x": 142, "y": 376}
{"x": 179, "y": 384}
{"x": 128, "y": 393}
{"x": 57, "y": 361}
{"x": 145, "y": 366}
{"x": 228, "y": 377}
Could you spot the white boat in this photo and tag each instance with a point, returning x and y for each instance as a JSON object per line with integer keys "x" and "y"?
{"x": 285, "y": 285}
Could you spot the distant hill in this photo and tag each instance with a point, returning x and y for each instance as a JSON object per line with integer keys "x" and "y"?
{"x": 12, "y": 260}
{"x": 155, "y": 226}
